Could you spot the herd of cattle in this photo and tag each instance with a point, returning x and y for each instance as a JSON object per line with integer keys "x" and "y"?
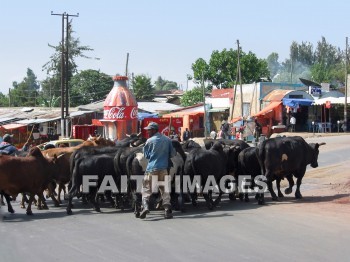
{"x": 39, "y": 171}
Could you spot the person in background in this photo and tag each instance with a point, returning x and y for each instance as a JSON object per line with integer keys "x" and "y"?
{"x": 293, "y": 121}
{"x": 258, "y": 129}
{"x": 174, "y": 135}
{"x": 186, "y": 135}
{"x": 7, "y": 147}
{"x": 213, "y": 134}
{"x": 225, "y": 127}
{"x": 158, "y": 150}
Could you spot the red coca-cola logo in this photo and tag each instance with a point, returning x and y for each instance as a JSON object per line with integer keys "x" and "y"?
{"x": 120, "y": 112}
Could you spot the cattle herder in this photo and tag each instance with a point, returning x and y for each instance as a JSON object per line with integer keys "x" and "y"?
{"x": 158, "y": 150}
{"x": 7, "y": 147}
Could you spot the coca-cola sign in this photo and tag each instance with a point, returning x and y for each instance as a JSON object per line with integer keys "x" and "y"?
{"x": 120, "y": 112}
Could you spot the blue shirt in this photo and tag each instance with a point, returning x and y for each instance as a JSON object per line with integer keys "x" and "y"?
{"x": 8, "y": 149}
{"x": 158, "y": 150}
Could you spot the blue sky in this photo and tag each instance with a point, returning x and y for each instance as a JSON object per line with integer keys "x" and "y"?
{"x": 162, "y": 37}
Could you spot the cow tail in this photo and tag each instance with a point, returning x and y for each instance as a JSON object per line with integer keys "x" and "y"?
{"x": 260, "y": 153}
{"x": 74, "y": 172}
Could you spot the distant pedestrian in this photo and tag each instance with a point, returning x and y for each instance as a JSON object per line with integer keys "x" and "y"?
{"x": 213, "y": 134}
{"x": 186, "y": 135}
{"x": 292, "y": 121}
{"x": 225, "y": 127}
{"x": 258, "y": 129}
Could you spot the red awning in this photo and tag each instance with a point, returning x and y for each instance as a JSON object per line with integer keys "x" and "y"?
{"x": 268, "y": 109}
{"x": 12, "y": 126}
{"x": 96, "y": 122}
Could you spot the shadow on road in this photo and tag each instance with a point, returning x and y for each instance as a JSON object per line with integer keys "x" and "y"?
{"x": 225, "y": 208}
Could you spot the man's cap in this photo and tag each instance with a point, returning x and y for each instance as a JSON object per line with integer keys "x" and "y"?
{"x": 152, "y": 125}
{"x": 7, "y": 137}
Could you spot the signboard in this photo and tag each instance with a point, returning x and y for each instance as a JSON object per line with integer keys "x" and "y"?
{"x": 163, "y": 124}
{"x": 316, "y": 90}
{"x": 120, "y": 112}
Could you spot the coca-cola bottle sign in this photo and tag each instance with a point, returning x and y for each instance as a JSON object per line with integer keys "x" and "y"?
{"x": 120, "y": 112}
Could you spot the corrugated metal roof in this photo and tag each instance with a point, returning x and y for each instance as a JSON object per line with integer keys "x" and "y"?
{"x": 276, "y": 95}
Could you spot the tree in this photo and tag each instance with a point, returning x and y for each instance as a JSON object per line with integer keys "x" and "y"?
{"x": 53, "y": 66}
{"x": 89, "y": 85}
{"x": 4, "y": 100}
{"x": 222, "y": 68}
{"x": 192, "y": 97}
{"x": 162, "y": 84}
{"x": 273, "y": 64}
{"x": 142, "y": 87}
{"x": 25, "y": 93}
{"x": 328, "y": 63}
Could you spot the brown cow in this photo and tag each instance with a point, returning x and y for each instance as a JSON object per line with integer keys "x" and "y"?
{"x": 30, "y": 174}
{"x": 64, "y": 172}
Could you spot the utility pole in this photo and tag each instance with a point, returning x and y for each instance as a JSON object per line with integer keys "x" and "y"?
{"x": 239, "y": 76}
{"x": 205, "y": 111}
{"x": 346, "y": 86}
{"x": 64, "y": 71}
{"x": 9, "y": 97}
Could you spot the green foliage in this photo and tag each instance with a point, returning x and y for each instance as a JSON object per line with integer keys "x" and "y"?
{"x": 4, "y": 100}
{"x": 273, "y": 64}
{"x": 142, "y": 87}
{"x": 89, "y": 85}
{"x": 222, "y": 68}
{"x": 324, "y": 64}
{"x": 53, "y": 66}
{"x": 162, "y": 84}
{"x": 25, "y": 93}
{"x": 192, "y": 97}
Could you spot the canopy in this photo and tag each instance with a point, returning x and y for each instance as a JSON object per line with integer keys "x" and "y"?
{"x": 333, "y": 100}
{"x": 218, "y": 109}
{"x": 309, "y": 82}
{"x": 141, "y": 116}
{"x": 295, "y": 102}
{"x": 268, "y": 109}
{"x": 12, "y": 126}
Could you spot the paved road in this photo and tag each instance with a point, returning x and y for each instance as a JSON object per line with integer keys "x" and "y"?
{"x": 235, "y": 231}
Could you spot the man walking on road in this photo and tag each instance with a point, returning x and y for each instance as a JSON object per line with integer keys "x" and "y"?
{"x": 158, "y": 150}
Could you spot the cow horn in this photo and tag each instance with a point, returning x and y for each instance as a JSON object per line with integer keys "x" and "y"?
{"x": 138, "y": 135}
{"x": 90, "y": 137}
{"x": 99, "y": 136}
{"x": 321, "y": 144}
{"x": 127, "y": 135}
{"x": 60, "y": 155}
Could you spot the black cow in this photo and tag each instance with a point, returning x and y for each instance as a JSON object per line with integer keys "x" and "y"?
{"x": 282, "y": 156}
{"x": 91, "y": 165}
{"x": 189, "y": 145}
{"x": 207, "y": 163}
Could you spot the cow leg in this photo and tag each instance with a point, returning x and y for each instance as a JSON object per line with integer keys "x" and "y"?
{"x": 51, "y": 191}
{"x": 70, "y": 204}
{"x": 42, "y": 202}
{"x": 297, "y": 191}
{"x": 208, "y": 201}
{"x": 269, "y": 179}
{"x": 291, "y": 184}
{"x": 22, "y": 205}
{"x": 218, "y": 199}
{"x": 29, "y": 207}
{"x": 272, "y": 192}
{"x": 8, "y": 201}
{"x": 278, "y": 185}
{"x": 96, "y": 201}
{"x": 2, "y": 200}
